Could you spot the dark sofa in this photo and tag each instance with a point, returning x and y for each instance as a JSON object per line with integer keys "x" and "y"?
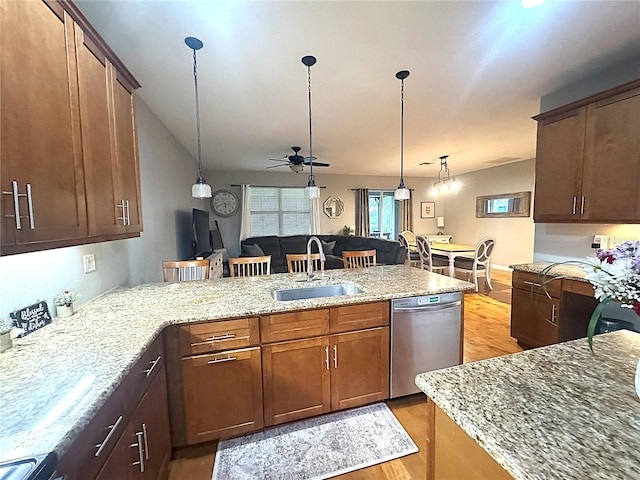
{"x": 387, "y": 251}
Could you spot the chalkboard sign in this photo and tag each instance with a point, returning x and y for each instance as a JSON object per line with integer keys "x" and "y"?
{"x": 31, "y": 318}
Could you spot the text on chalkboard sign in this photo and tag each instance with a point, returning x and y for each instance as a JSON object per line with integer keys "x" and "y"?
{"x": 31, "y": 318}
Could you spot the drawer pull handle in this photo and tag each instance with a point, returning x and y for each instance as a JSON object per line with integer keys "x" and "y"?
{"x": 527, "y": 282}
{"x": 582, "y": 206}
{"x": 148, "y": 371}
{"x": 217, "y": 338}
{"x": 326, "y": 356}
{"x": 575, "y": 199}
{"x": 220, "y": 360}
{"x": 140, "y": 462}
{"x": 112, "y": 428}
{"x": 146, "y": 444}
{"x": 335, "y": 356}
{"x": 553, "y": 313}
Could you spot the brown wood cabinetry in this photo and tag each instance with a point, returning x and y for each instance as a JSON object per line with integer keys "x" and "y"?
{"x": 68, "y": 141}
{"x": 215, "y": 380}
{"x": 588, "y": 159}
{"x": 308, "y": 377}
{"x": 557, "y": 312}
{"x": 41, "y": 167}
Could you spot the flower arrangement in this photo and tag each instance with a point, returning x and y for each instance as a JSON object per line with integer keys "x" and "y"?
{"x": 66, "y": 298}
{"x": 615, "y": 275}
{"x": 6, "y": 325}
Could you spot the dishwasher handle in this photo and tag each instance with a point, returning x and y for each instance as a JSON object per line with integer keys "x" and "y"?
{"x": 428, "y": 308}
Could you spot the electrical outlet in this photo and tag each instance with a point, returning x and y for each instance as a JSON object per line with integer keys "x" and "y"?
{"x": 89, "y": 262}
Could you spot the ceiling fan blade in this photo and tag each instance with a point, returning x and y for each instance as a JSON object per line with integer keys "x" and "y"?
{"x": 285, "y": 160}
{"x": 317, "y": 164}
{"x": 281, "y": 165}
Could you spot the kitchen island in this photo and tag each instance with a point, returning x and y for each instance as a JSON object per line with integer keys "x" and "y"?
{"x": 55, "y": 380}
{"x": 556, "y": 412}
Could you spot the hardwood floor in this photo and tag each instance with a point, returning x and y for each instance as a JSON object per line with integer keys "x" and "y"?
{"x": 486, "y": 335}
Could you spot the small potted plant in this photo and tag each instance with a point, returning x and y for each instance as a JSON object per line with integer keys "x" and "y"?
{"x": 64, "y": 302}
{"x": 5, "y": 334}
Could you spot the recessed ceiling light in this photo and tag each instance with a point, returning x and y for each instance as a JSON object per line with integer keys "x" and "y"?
{"x": 531, "y": 3}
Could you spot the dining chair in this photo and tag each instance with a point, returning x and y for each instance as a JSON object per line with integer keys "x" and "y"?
{"x": 250, "y": 266}
{"x": 359, "y": 258}
{"x": 413, "y": 256}
{"x": 185, "y": 270}
{"x": 411, "y": 239}
{"x": 480, "y": 264}
{"x": 428, "y": 261}
{"x": 297, "y": 262}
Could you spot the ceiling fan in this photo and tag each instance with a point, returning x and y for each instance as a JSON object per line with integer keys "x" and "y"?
{"x": 297, "y": 162}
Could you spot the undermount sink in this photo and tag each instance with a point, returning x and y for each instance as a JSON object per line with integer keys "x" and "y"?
{"x": 319, "y": 291}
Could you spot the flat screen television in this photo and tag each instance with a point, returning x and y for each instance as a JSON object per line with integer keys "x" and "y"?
{"x": 201, "y": 238}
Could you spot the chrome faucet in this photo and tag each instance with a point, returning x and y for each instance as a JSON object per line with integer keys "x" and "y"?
{"x": 309, "y": 262}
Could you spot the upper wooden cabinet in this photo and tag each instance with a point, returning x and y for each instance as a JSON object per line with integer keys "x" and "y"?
{"x": 588, "y": 159}
{"x": 69, "y": 164}
{"x": 41, "y": 171}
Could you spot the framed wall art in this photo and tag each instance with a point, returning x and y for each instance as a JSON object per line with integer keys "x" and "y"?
{"x": 427, "y": 209}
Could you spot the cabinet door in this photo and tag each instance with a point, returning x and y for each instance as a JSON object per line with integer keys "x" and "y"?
{"x": 127, "y": 156}
{"x": 124, "y": 461}
{"x": 222, "y": 394}
{"x": 40, "y": 134}
{"x": 534, "y": 318}
{"x": 296, "y": 379}
{"x": 559, "y": 155}
{"x": 152, "y": 419}
{"x": 360, "y": 368}
{"x": 612, "y": 159}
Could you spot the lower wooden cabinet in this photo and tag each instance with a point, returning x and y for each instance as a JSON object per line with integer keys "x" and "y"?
{"x": 296, "y": 379}
{"x": 534, "y": 318}
{"x": 222, "y": 394}
{"x": 303, "y": 378}
{"x": 144, "y": 449}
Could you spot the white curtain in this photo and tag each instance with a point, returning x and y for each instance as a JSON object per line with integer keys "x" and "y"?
{"x": 314, "y": 214}
{"x": 406, "y": 215}
{"x": 245, "y": 226}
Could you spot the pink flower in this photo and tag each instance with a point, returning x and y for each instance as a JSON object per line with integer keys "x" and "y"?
{"x": 636, "y": 308}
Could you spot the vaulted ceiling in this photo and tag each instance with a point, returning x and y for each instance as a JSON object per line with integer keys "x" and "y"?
{"x": 478, "y": 70}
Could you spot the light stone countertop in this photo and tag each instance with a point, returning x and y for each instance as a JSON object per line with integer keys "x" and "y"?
{"x": 571, "y": 270}
{"x": 557, "y": 412}
{"x": 55, "y": 380}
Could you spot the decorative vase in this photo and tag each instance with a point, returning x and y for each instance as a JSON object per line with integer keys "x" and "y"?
{"x": 5, "y": 341}
{"x": 64, "y": 310}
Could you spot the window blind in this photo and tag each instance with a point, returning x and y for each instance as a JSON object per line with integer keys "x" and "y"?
{"x": 278, "y": 211}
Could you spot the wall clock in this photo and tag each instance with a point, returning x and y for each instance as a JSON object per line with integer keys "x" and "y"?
{"x": 224, "y": 203}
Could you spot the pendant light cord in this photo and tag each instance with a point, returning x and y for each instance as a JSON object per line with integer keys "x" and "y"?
{"x": 402, "y": 134}
{"x": 310, "y": 134}
{"x": 195, "y": 83}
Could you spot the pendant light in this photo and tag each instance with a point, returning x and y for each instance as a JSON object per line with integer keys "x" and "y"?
{"x": 311, "y": 191}
{"x": 445, "y": 183}
{"x": 200, "y": 189}
{"x": 402, "y": 192}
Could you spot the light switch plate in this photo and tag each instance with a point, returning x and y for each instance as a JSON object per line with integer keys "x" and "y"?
{"x": 89, "y": 262}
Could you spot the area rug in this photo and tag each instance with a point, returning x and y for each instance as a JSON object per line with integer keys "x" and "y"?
{"x": 316, "y": 448}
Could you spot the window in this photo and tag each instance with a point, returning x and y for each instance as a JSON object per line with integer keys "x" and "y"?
{"x": 383, "y": 214}
{"x": 278, "y": 211}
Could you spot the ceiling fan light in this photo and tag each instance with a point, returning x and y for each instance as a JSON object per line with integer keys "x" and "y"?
{"x": 201, "y": 189}
{"x": 296, "y": 168}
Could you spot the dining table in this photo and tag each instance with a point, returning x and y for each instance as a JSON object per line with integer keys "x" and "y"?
{"x": 452, "y": 250}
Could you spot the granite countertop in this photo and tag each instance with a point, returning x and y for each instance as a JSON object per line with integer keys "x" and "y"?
{"x": 572, "y": 270}
{"x": 557, "y": 412}
{"x": 55, "y": 379}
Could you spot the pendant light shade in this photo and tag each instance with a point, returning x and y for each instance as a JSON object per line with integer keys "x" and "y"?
{"x": 402, "y": 192}
{"x": 200, "y": 189}
{"x": 311, "y": 191}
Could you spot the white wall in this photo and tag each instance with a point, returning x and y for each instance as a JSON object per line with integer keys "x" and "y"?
{"x": 166, "y": 172}
{"x": 514, "y": 235}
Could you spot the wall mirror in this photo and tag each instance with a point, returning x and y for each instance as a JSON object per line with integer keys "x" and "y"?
{"x": 333, "y": 207}
{"x": 504, "y": 205}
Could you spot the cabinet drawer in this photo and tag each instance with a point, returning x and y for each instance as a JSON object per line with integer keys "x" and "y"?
{"x": 216, "y": 336}
{"x": 294, "y": 325}
{"x": 533, "y": 281}
{"x": 142, "y": 374}
{"x": 358, "y": 317}
{"x": 93, "y": 445}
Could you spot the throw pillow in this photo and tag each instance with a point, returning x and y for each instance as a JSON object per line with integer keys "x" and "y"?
{"x": 327, "y": 247}
{"x": 253, "y": 250}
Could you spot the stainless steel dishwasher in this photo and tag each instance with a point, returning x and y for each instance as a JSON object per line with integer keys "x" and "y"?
{"x": 425, "y": 335}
